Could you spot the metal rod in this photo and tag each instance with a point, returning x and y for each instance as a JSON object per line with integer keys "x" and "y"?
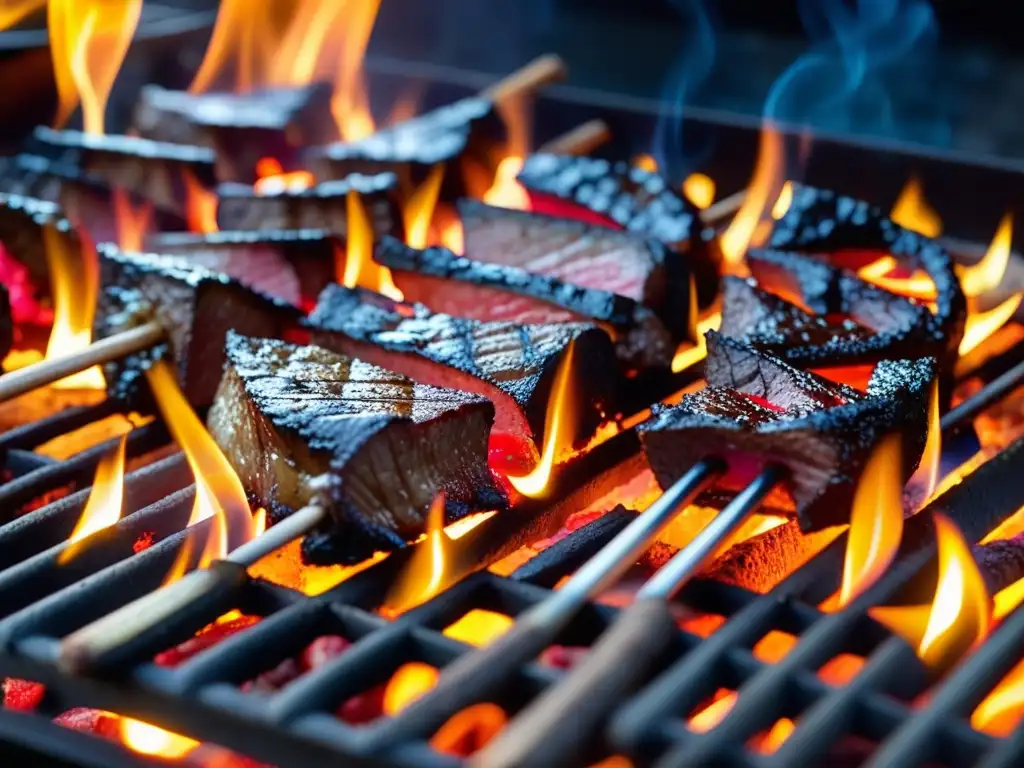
{"x": 995, "y": 390}
{"x": 543, "y": 70}
{"x": 581, "y": 140}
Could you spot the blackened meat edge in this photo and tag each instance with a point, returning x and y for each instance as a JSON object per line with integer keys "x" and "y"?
{"x": 301, "y": 423}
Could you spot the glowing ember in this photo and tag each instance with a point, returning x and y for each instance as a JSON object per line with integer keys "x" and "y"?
{"x": 419, "y": 209}
{"x": 763, "y": 190}
{"x": 469, "y": 730}
{"x": 689, "y": 355}
{"x": 479, "y": 627}
{"x": 200, "y": 206}
{"x": 103, "y": 508}
{"x": 360, "y": 269}
{"x": 506, "y": 192}
{"x": 912, "y": 211}
{"x": 714, "y": 713}
{"x": 999, "y": 713}
{"x": 776, "y": 736}
{"x": 699, "y": 189}
{"x": 559, "y": 427}
{"x": 424, "y": 576}
{"x": 148, "y": 739}
{"x": 960, "y": 612}
{"x": 881, "y": 273}
{"x": 74, "y": 285}
{"x": 645, "y": 162}
{"x": 23, "y": 295}
{"x": 409, "y": 683}
{"x": 219, "y": 493}
{"x": 89, "y": 40}
{"x": 274, "y": 180}
{"x": 132, "y": 222}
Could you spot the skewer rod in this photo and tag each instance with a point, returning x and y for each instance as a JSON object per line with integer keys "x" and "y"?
{"x": 581, "y": 140}
{"x": 543, "y": 70}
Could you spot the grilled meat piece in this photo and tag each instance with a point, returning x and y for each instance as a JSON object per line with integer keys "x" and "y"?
{"x": 455, "y": 285}
{"x": 468, "y": 131}
{"x": 6, "y": 323}
{"x": 758, "y": 410}
{"x": 513, "y": 365}
{"x": 22, "y": 220}
{"x": 294, "y": 265}
{"x": 197, "y": 307}
{"x": 318, "y": 207}
{"x": 241, "y": 128}
{"x": 856, "y": 233}
{"x": 303, "y": 422}
{"x": 150, "y": 168}
{"x": 590, "y": 256}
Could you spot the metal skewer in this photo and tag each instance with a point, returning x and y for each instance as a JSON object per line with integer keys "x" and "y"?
{"x": 480, "y": 673}
{"x": 103, "y": 643}
{"x": 554, "y": 727}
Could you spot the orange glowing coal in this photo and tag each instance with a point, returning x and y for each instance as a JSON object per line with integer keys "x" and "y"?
{"x": 469, "y": 730}
{"x": 409, "y": 682}
{"x": 479, "y": 627}
{"x": 559, "y": 427}
{"x": 274, "y": 180}
{"x": 505, "y": 191}
{"x": 714, "y": 713}
{"x": 149, "y": 739}
{"x": 359, "y": 268}
{"x": 699, "y": 189}
{"x": 424, "y": 576}
{"x": 292, "y": 43}
{"x": 219, "y": 492}
{"x": 961, "y": 610}
{"x": 419, "y": 208}
{"x": 88, "y": 42}
{"x": 74, "y": 286}
{"x": 103, "y": 507}
{"x": 200, "y": 206}
{"x": 763, "y": 192}
{"x": 132, "y": 222}
{"x": 775, "y": 737}
{"x": 912, "y": 211}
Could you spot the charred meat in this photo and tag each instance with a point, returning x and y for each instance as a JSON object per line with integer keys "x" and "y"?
{"x": 6, "y": 323}
{"x": 319, "y": 207}
{"x": 586, "y": 255}
{"x": 22, "y": 222}
{"x": 301, "y": 422}
{"x": 241, "y": 128}
{"x": 455, "y": 285}
{"x": 293, "y": 265}
{"x": 757, "y": 409}
{"x": 467, "y": 131}
{"x": 512, "y": 365}
{"x": 197, "y": 308}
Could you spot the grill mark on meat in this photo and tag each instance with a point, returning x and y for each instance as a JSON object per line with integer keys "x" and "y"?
{"x": 513, "y": 365}
{"x": 455, "y": 285}
{"x": 196, "y": 306}
{"x": 823, "y": 437}
{"x": 299, "y": 422}
{"x": 624, "y": 263}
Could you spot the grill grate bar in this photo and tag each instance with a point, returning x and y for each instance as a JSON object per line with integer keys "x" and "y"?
{"x": 32, "y": 435}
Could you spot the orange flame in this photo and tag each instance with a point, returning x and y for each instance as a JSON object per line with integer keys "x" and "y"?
{"x": 14, "y": 11}
{"x": 688, "y": 355}
{"x": 132, "y": 222}
{"x": 419, "y": 209}
{"x": 479, "y": 627}
{"x": 912, "y": 211}
{"x": 959, "y": 614}
{"x": 506, "y": 192}
{"x": 360, "y": 269}
{"x": 876, "y": 521}
{"x": 776, "y": 736}
{"x": 89, "y": 40}
{"x": 409, "y": 682}
{"x": 987, "y": 274}
{"x": 699, "y": 189}
{"x": 765, "y": 187}
{"x": 274, "y": 180}
{"x": 559, "y": 427}
{"x": 293, "y": 43}
{"x": 424, "y": 575}
{"x": 645, "y": 162}
{"x": 783, "y": 201}
{"x": 103, "y": 508}
{"x": 1010, "y": 527}
{"x": 917, "y": 286}
{"x": 74, "y": 285}
{"x": 200, "y": 206}
{"x": 926, "y": 476}
{"x": 999, "y": 713}
{"x": 714, "y": 713}
{"x": 219, "y": 492}
{"x": 149, "y": 739}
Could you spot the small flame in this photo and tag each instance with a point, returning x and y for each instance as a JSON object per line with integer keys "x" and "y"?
{"x": 1010, "y": 527}
{"x": 783, "y": 201}
{"x": 981, "y": 325}
{"x": 419, "y": 209}
{"x": 14, "y": 11}
{"x": 74, "y": 285}
{"x": 912, "y": 211}
{"x": 409, "y": 682}
{"x": 89, "y": 40}
{"x": 987, "y": 274}
{"x": 646, "y": 162}
{"x": 479, "y": 627}
{"x": 149, "y": 739}
{"x": 103, "y": 508}
{"x": 350, "y": 105}
{"x": 959, "y": 614}
{"x": 360, "y": 269}
{"x": 219, "y": 492}
{"x": 876, "y": 520}
{"x": 764, "y": 187}
{"x": 200, "y": 206}
{"x": 918, "y": 285}
{"x": 999, "y": 713}
{"x": 453, "y": 237}
{"x": 689, "y": 355}
{"x": 424, "y": 576}
{"x": 506, "y": 192}
{"x": 132, "y": 222}
{"x": 713, "y": 713}
{"x": 559, "y": 427}
{"x": 699, "y": 189}
{"x": 274, "y": 180}
{"x": 926, "y": 477}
